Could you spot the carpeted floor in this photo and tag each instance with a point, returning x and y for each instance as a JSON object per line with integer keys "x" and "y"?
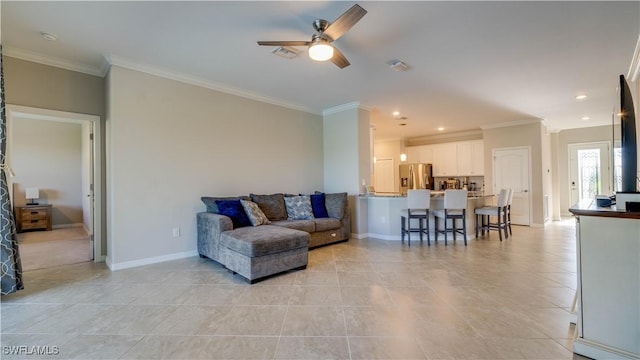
{"x": 45, "y": 249}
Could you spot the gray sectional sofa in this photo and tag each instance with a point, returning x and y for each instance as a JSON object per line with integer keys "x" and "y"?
{"x": 257, "y": 252}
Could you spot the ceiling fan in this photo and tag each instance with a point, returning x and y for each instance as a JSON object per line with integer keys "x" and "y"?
{"x": 320, "y": 48}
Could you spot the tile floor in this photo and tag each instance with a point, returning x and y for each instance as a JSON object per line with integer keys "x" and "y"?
{"x": 363, "y": 299}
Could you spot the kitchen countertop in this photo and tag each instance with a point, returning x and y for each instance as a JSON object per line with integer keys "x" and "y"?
{"x": 434, "y": 195}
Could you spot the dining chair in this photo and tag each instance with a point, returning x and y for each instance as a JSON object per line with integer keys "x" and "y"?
{"x": 418, "y": 204}
{"x": 455, "y": 208}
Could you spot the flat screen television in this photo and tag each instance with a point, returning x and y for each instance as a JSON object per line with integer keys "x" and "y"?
{"x": 628, "y": 140}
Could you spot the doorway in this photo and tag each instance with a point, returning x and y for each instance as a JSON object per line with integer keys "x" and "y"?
{"x": 384, "y": 176}
{"x": 511, "y": 170}
{"x": 90, "y": 188}
{"x": 589, "y": 171}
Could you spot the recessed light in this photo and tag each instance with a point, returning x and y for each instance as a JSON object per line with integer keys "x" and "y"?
{"x": 581, "y": 97}
{"x": 48, "y": 36}
{"x": 440, "y": 128}
{"x": 586, "y": 118}
{"x": 396, "y": 113}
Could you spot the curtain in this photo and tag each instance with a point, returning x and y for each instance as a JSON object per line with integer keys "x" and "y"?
{"x": 11, "y": 265}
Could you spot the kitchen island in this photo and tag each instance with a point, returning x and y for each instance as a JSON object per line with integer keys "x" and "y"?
{"x": 383, "y": 211}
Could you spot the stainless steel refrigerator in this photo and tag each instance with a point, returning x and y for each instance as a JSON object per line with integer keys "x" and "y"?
{"x": 415, "y": 176}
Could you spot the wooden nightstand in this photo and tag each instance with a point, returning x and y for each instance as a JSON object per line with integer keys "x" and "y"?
{"x": 33, "y": 217}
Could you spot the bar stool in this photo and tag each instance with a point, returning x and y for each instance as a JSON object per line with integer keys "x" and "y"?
{"x": 455, "y": 207}
{"x": 499, "y": 211}
{"x": 418, "y": 203}
{"x": 509, "y": 210}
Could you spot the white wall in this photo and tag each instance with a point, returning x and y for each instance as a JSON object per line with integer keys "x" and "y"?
{"x": 47, "y": 155}
{"x": 169, "y": 143}
{"x": 346, "y": 150}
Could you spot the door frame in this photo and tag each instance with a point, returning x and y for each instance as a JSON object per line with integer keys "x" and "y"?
{"x": 530, "y": 190}
{"x": 608, "y": 173}
{"x": 64, "y": 116}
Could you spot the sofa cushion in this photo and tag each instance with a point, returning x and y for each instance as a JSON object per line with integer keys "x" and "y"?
{"x": 271, "y": 205}
{"x": 298, "y": 207}
{"x": 210, "y": 202}
{"x": 234, "y": 210}
{"x": 255, "y": 215}
{"x": 302, "y": 225}
{"x": 263, "y": 240}
{"x": 325, "y": 224}
{"x": 336, "y": 204}
{"x": 318, "y": 206}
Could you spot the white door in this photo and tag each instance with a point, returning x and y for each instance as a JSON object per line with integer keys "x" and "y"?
{"x": 511, "y": 168}
{"x": 589, "y": 171}
{"x": 384, "y": 176}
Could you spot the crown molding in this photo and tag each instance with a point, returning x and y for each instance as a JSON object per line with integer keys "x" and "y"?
{"x": 634, "y": 68}
{"x": 114, "y": 60}
{"x": 52, "y": 61}
{"x": 445, "y": 136}
{"x": 344, "y": 107}
{"x": 513, "y": 123}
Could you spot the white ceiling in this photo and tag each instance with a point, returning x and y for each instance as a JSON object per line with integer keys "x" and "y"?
{"x": 471, "y": 63}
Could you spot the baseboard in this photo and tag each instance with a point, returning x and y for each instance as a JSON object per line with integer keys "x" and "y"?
{"x": 65, "y": 226}
{"x": 597, "y": 350}
{"x": 100, "y": 258}
{"x": 358, "y": 236}
{"x": 148, "y": 261}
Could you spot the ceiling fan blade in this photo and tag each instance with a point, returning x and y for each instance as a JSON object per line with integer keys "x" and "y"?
{"x": 345, "y": 22}
{"x": 284, "y": 43}
{"x": 339, "y": 59}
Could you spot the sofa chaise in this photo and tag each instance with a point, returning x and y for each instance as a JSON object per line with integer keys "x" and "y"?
{"x": 277, "y": 235}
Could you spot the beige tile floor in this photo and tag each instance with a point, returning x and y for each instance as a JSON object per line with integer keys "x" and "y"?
{"x": 365, "y": 299}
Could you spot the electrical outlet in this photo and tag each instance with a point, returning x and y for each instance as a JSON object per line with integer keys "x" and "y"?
{"x": 176, "y": 232}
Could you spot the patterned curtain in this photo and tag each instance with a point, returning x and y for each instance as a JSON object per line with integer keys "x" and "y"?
{"x": 11, "y": 265}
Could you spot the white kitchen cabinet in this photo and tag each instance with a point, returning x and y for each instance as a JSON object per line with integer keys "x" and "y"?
{"x": 420, "y": 154}
{"x": 470, "y": 158}
{"x": 445, "y": 159}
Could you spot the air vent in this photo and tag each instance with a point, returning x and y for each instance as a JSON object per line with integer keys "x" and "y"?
{"x": 398, "y": 65}
{"x": 286, "y": 52}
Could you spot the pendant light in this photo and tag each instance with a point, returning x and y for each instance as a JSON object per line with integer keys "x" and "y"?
{"x": 403, "y": 153}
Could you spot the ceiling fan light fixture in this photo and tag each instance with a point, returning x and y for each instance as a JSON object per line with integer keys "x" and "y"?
{"x": 320, "y": 51}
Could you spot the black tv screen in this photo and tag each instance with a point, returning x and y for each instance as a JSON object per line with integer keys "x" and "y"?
{"x": 628, "y": 139}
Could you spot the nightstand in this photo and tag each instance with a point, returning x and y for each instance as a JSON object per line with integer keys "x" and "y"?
{"x": 33, "y": 217}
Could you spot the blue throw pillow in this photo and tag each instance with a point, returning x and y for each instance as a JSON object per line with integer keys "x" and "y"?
{"x": 234, "y": 210}
{"x": 318, "y": 206}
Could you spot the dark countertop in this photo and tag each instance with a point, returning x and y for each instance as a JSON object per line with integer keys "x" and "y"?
{"x": 589, "y": 208}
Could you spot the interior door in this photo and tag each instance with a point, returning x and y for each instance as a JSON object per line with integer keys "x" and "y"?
{"x": 384, "y": 176}
{"x": 589, "y": 171}
{"x": 511, "y": 168}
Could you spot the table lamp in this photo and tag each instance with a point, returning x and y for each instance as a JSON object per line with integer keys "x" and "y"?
{"x": 32, "y": 194}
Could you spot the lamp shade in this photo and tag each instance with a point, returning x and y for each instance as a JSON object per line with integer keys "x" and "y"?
{"x": 32, "y": 193}
{"x": 321, "y": 51}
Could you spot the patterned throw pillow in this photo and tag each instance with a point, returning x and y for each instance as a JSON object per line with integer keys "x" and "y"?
{"x": 298, "y": 207}
{"x": 255, "y": 215}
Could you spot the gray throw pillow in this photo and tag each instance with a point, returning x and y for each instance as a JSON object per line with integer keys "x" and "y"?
{"x": 336, "y": 204}
{"x": 255, "y": 215}
{"x": 271, "y": 205}
{"x": 298, "y": 207}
